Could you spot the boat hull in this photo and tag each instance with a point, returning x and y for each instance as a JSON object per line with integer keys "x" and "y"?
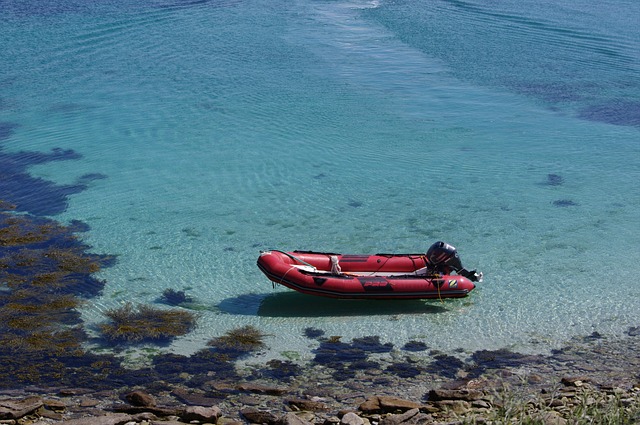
{"x": 380, "y": 276}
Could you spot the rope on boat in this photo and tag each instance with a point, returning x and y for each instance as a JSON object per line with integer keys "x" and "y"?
{"x": 293, "y": 257}
{"x": 292, "y": 267}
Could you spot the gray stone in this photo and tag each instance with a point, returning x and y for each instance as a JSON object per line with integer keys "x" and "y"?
{"x": 310, "y": 405}
{"x": 550, "y": 418}
{"x": 258, "y": 416}
{"x": 200, "y": 413}
{"x": 398, "y": 419}
{"x": 393, "y": 404}
{"x": 331, "y": 420}
{"x": 194, "y": 398}
{"x": 140, "y": 398}
{"x": 262, "y": 389}
{"x": 351, "y": 419}
{"x": 109, "y": 419}
{"x": 458, "y": 394}
{"x": 456, "y": 406}
{"x": 15, "y": 409}
{"x": 370, "y": 405}
{"x": 156, "y": 410}
{"x": 292, "y": 419}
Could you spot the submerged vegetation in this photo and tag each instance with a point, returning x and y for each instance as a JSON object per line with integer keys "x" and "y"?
{"x": 142, "y": 323}
{"x": 243, "y": 340}
{"x": 172, "y": 297}
{"x": 44, "y": 274}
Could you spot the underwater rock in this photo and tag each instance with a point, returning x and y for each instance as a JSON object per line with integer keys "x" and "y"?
{"x": 140, "y": 398}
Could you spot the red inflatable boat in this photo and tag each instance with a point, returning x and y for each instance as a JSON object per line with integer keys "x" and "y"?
{"x": 380, "y": 276}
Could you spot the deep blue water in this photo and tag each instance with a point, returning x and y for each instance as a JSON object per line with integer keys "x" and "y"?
{"x": 190, "y": 135}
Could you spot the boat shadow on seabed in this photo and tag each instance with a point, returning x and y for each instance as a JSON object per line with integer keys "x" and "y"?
{"x": 293, "y": 304}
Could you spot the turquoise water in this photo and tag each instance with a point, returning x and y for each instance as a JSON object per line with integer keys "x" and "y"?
{"x": 208, "y": 131}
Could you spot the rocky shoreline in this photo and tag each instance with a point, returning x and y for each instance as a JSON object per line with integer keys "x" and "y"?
{"x": 591, "y": 376}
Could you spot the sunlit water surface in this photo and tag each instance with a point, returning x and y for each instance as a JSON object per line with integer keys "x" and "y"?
{"x": 212, "y": 130}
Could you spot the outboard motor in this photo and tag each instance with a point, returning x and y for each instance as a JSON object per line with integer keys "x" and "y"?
{"x": 443, "y": 258}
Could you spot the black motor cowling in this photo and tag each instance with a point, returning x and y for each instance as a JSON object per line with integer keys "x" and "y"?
{"x": 443, "y": 258}
{"x": 442, "y": 254}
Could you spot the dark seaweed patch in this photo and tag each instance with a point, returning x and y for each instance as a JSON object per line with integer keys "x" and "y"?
{"x": 445, "y": 366}
{"x": 620, "y": 112}
{"x": 313, "y": 333}
{"x": 32, "y": 194}
{"x": 404, "y": 370}
{"x": 564, "y": 203}
{"x": 593, "y": 337}
{"x": 500, "y": 359}
{"x": 281, "y": 370}
{"x": 46, "y": 272}
{"x": 415, "y": 346}
{"x": 143, "y": 323}
{"x": 6, "y": 129}
{"x": 554, "y": 180}
{"x": 549, "y": 92}
{"x": 346, "y": 359}
{"x": 172, "y": 297}
{"x": 86, "y": 178}
{"x": 633, "y": 331}
{"x": 238, "y": 342}
{"x": 372, "y": 344}
{"x": 336, "y": 354}
{"x": 77, "y": 226}
{"x": 191, "y": 232}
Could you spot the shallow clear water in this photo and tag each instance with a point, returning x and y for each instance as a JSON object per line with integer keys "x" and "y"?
{"x": 211, "y": 130}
